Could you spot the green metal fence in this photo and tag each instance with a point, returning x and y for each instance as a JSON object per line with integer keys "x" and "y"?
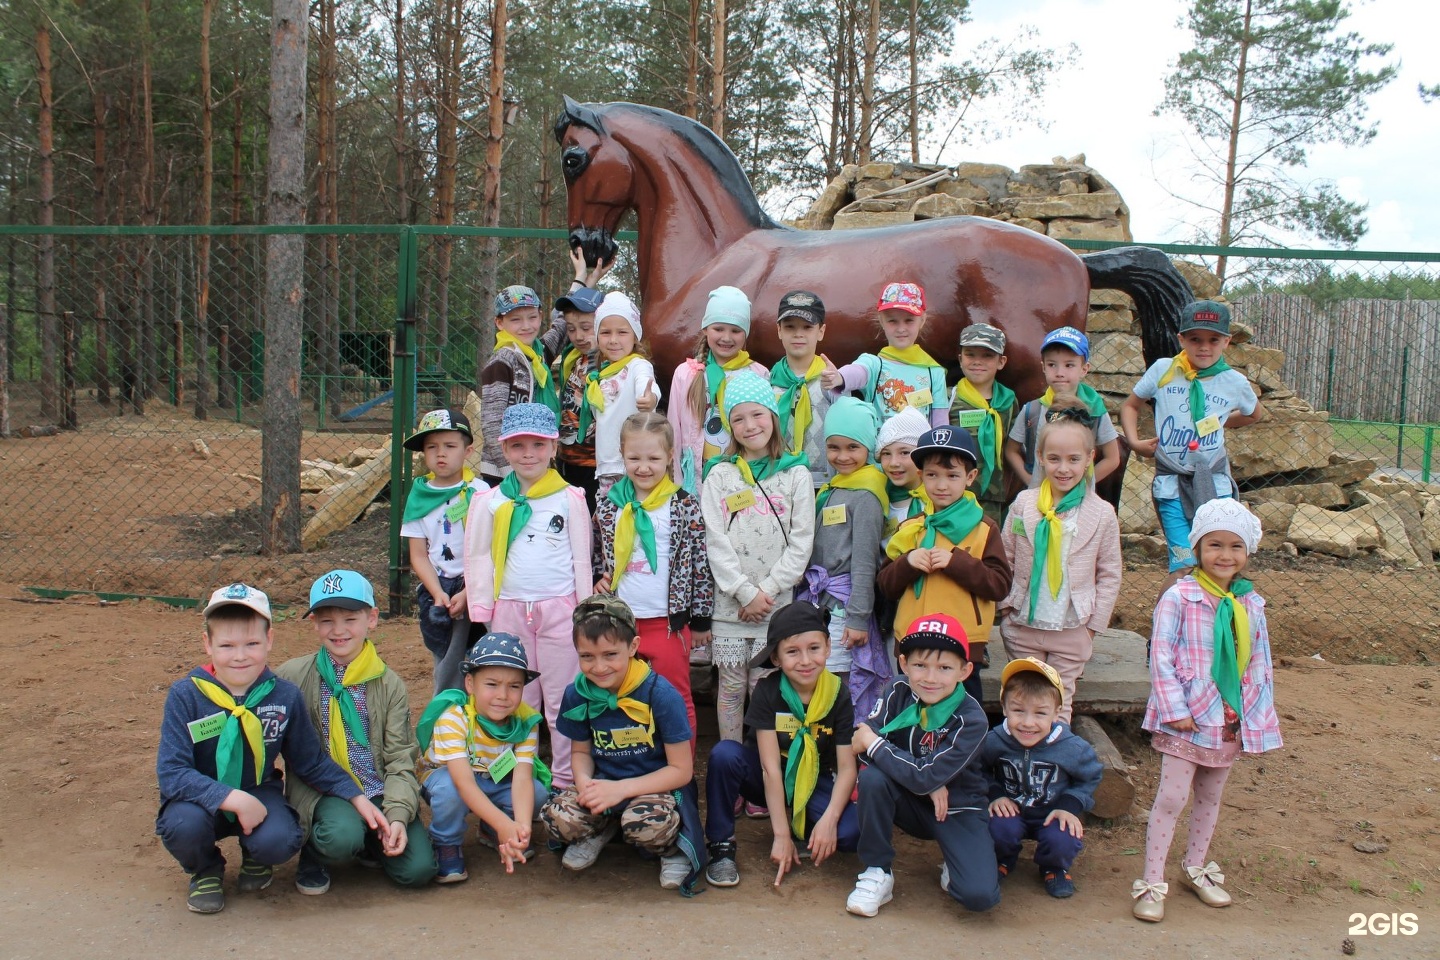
{"x": 144, "y": 496}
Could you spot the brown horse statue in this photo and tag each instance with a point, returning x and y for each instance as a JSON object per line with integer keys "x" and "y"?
{"x": 701, "y": 226}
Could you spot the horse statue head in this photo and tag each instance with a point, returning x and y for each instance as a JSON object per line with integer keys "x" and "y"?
{"x": 599, "y": 180}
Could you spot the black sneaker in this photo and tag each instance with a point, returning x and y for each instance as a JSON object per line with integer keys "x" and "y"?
{"x": 206, "y": 894}
{"x": 311, "y": 877}
{"x": 255, "y": 876}
{"x": 722, "y": 870}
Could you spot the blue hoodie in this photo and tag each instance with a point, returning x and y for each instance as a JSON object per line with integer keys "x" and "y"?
{"x": 186, "y": 770}
{"x": 1060, "y": 772}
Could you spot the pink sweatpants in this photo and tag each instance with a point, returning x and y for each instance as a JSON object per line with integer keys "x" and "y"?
{"x": 544, "y": 627}
{"x": 1066, "y": 650}
{"x": 1177, "y": 778}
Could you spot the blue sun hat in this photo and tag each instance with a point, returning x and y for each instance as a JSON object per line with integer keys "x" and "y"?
{"x": 529, "y": 420}
{"x": 514, "y": 297}
{"x": 747, "y": 386}
{"x": 498, "y": 650}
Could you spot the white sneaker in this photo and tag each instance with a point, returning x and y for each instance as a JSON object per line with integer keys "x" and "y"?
{"x": 674, "y": 868}
{"x": 945, "y": 877}
{"x": 582, "y": 855}
{"x": 873, "y": 889}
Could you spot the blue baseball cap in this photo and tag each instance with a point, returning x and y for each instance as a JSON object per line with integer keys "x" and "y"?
{"x": 952, "y": 440}
{"x": 529, "y": 420}
{"x": 345, "y": 589}
{"x": 498, "y": 650}
{"x": 1069, "y": 338}
{"x": 582, "y": 299}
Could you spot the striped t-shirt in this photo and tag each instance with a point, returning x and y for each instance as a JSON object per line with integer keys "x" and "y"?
{"x": 455, "y": 739}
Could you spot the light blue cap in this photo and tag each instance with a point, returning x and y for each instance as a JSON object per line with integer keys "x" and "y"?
{"x": 1069, "y": 338}
{"x": 341, "y": 588}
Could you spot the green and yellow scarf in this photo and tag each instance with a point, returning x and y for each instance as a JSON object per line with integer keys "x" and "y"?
{"x": 796, "y": 397}
{"x": 514, "y": 512}
{"x": 1181, "y": 364}
{"x": 634, "y": 524}
{"x": 344, "y": 715}
{"x": 927, "y": 717}
{"x": 991, "y": 435}
{"x": 1231, "y": 656}
{"x": 544, "y": 391}
{"x": 1049, "y": 534}
{"x": 802, "y": 766}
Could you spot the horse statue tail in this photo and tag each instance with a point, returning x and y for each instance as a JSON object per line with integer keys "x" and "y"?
{"x": 1151, "y": 280}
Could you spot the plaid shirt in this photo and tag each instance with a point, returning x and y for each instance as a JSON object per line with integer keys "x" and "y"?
{"x": 1182, "y": 644}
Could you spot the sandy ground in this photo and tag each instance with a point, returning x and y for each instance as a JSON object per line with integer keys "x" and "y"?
{"x": 84, "y": 874}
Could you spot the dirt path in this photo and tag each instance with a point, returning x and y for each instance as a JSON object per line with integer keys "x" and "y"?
{"x": 84, "y": 875}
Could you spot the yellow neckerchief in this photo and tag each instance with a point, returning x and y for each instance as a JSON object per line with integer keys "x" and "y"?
{"x": 568, "y": 363}
{"x": 504, "y": 338}
{"x": 1086, "y": 394}
{"x": 914, "y": 530}
{"x": 506, "y": 529}
{"x": 867, "y": 477}
{"x": 596, "y": 700}
{"x": 366, "y": 666}
{"x": 914, "y": 355}
{"x": 625, "y": 524}
{"x": 992, "y": 456}
{"x": 803, "y": 412}
{"x": 802, "y": 765}
{"x": 716, "y": 375}
{"x": 1232, "y": 621}
{"x": 227, "y": 768}
{"x": 593, "y": 396}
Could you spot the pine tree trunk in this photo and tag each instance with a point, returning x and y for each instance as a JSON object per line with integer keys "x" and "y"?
{"x": 692, "y": 61}
{"x": 867, "y": 84}
{"x": 149, "y": 346}
{"x": 447, "y": 161}
{"x": 1227, "y": 205}
{"x": 717, "y": 77}
{"x": 402, "y": 163}
{"x": 205, "y": 217}
{"x": 490, "y": 199}
{"x": 284, "y": 276}
{"x": 327, "y": 340}
{"x": 4, "y": 373}
{"x": 914, "y": 84}
{"x": 228, "y": 391}
{"x": 45, "y": 248}
{"x": 102, "y": 325}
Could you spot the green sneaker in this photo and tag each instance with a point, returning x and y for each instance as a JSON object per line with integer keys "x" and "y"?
{"x": 206, "y": 894}
{"x": 254, "y": 876}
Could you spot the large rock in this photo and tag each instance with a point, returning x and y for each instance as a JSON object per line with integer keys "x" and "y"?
{"x": 832, "y": 198}
{"x": 1067, "y": 229}
{"x": 866, "y": 189}
{"x": 1085, "y": 206}
{"x": 1029, "y": 224}
{"x": 1117, "y": 353}
{"x": 1275, "y": 518}
{"x": 859, "y": 219}
{"x": 1336, "y": 534}
{"x": 1278, "y": 444}
{"x": 1137, "y": 510}
{"x": 940, "y": 205}
{"x": 1204, "y": 284}
{"x": 1432, "y": 523}
{"x": 1396, "y": 517}
{"x": 963, "y": 190}
{"x": 1324, "y": 495}
{"x": 982, "y": 171}
{"x": 1110, "y": 321}
{"x": 877, "y": 171}
{"x": 1118, "y": 384}
{"x": 1248, "y": 355}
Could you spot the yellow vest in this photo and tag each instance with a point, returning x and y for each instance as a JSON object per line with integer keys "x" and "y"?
{"x": 940, "y": 594}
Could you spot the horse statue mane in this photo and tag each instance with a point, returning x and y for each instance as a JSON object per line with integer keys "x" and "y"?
{"x": 698, "y": 137}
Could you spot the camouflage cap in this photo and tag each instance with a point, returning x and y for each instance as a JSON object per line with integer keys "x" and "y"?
{"x": 605, "y": 605}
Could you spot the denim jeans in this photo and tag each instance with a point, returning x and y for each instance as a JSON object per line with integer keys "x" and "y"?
{"x": 448, "y": 810}
{"x": 189, "y": 832}
{"x": 445, "y": 637}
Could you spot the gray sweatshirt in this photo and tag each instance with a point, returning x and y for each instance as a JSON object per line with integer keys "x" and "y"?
{"x": 851, "y": 547}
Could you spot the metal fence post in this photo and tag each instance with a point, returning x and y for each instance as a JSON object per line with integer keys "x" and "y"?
{"x": 1400, "y": 430}
{"x": 68, "y": 417}
{"x": 1330, "y": 380}
{"x": 402, "y": 382}
{"x": 1425, "y": 457}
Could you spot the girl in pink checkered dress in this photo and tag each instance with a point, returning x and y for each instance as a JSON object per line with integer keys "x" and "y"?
{"x": 1212, "y": 697}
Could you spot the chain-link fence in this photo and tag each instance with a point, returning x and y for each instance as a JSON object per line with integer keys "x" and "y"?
{"x": 156, "y": 488}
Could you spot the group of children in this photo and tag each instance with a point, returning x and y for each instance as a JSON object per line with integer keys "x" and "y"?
{"x": 837, "y": 541}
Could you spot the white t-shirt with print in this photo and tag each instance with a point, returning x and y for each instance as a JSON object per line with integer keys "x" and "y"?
{"x": 648, "y": 591}
{"x": 539, "y": 564}
{"x": 1225, "y": 393}
{"x": 621, "y": 392}
{"x": 444, "y": 539}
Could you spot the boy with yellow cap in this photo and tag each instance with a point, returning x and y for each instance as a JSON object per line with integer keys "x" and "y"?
{"x": 361, "y": 710}
{"x": 1042, "y": 776}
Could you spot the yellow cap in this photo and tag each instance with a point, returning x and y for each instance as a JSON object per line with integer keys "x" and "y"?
{"x": 1026, "y": 664}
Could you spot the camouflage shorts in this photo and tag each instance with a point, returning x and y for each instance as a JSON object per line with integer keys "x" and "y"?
{"x": 650, "y": 821}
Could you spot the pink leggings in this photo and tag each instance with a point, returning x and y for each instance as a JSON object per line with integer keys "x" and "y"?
{"x": 1177, "y": 778}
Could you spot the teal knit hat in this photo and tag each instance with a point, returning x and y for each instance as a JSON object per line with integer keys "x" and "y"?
{"x": 747, "y": 386}
{"x": 854, "y": 419}
{"x": 727, "y": 305}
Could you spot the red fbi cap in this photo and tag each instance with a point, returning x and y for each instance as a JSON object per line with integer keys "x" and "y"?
{"x": 936, "y": 631}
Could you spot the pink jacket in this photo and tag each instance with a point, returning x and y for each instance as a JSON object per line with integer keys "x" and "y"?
{"x": 1182, "y": 648}
{"x": 690, "y": 432}
{"x": 480, "y": 569}
{"x": 1094, "y": 566}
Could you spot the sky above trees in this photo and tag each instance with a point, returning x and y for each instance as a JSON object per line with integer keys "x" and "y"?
{"x": 1104, "y": 107}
